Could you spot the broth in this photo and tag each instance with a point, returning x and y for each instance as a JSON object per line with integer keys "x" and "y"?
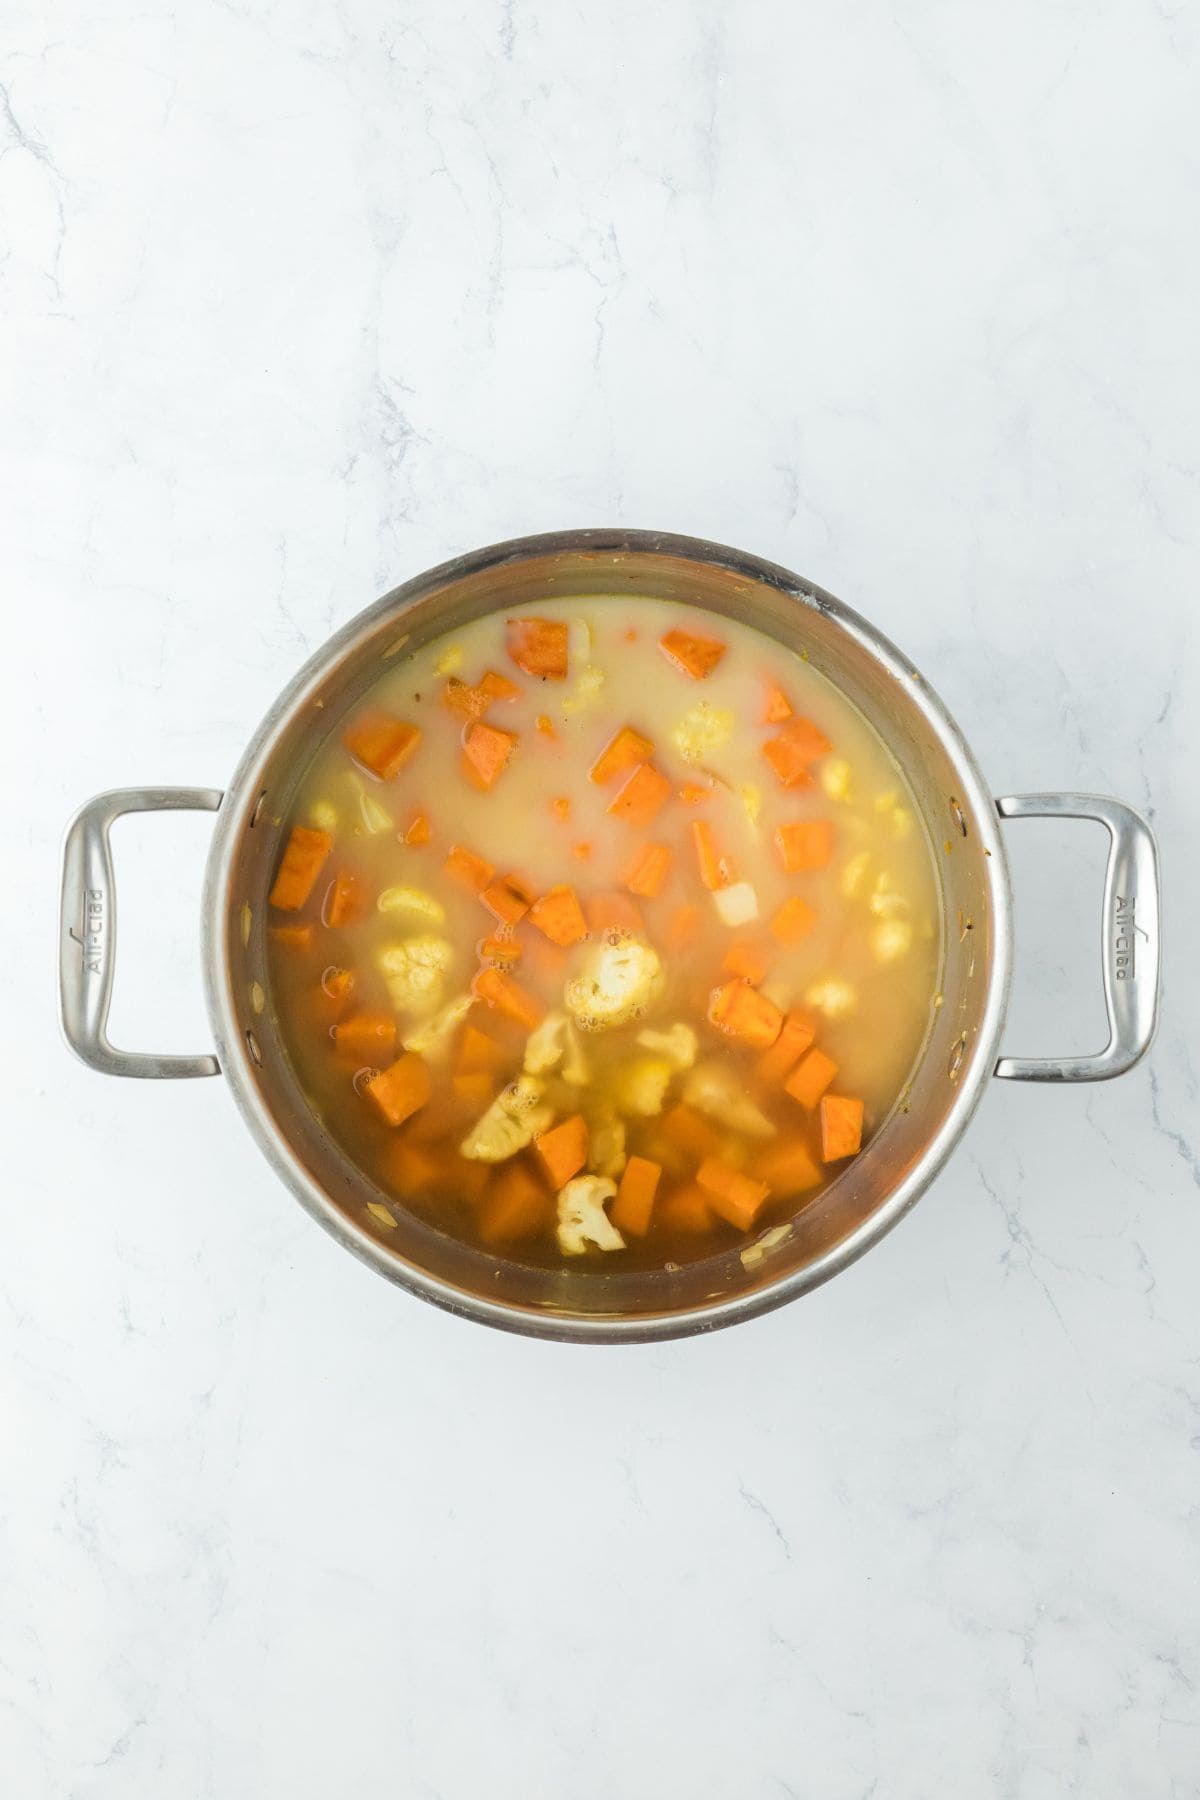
{"x": 602, "y": 935}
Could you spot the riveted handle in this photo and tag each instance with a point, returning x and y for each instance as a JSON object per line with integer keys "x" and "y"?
{"x": 87, "y": 931}
{"x": 1129, "y": 943}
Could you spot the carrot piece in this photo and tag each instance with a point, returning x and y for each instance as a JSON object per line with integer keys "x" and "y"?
{"x": 402, "y": 1089}
{"x": 787, "y": 1168}
{"x": 507, "y": 899}
{"x": 805, "y": 845}
{"x": 504, "y": 950}
{"x": 691, "y": 793}
{"x": 515, "y": 1205}
{"x": 631, "y": 1210}
{"x": 419, "y": 832}
{"x": 748, "y": 958}
{"x": 303, "y": 859}
{"x": 686, "y": 1210}
{"x": 696, "y": 656}
{"x": 795, "y": 1037}
{"x": 468, "y": 868}
{"x": 510, "y": 1000}
{"x": 794, "y": 920}
{"x": 684, "y": 929}
{"x": 381, "y": 743}
{"x": 690, "y": 1131}
{"x": 476, "y": 1088}
{"x": 809, "y": 1079}
{"x": 539, "y": 646}
{"x": 337, "y": 984}
{"x": 623, "y": 751}
{"x": 740, "y": 1011}
{"x": 546, "y": 726}
{"x": 716, "y": 871}
{"x": 734, "y": 1197}
{"x": 798, "y": 746}
{"x": 841, "y": 1127}
{"x": 776, "y": 705}
{"x": 559, "y": 916}
{"x": 477, "y": 1052}
{"x": 563, "y": 1151}
{"x": 343, "y": 902}
{"x": 366, "y": 1037}
{"x": 614, "y": 912}
{"x": 486, "y": 749}
{"x": 649, "y": 870}
{"x": 295, "y": 937}
{"x": 561, "y": 808}
{"x": 639, "y": 799}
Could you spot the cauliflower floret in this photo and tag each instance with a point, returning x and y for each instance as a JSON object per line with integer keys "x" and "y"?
{"x": 751, "y": 798}
{"x": 892, "y": 939}
{"x": 678, "y": 1045}
{"x": 714, "y": 1088}
{"x": 415, "y": 973}
{"x": 413, "y": 902}
{"x": 511, "y": 1122}
{"x": 702, "y": 729}
{"x": 586, "y": 691}
{"x": 618, "y": 980}
{"x": 834, "y": 776}
{"x": 640, "y": 1085}
{"x": 884, "y": 903}
{"x": 902, "y": 821}
{"x": 554, "y": 1042}
{"x": 450, "y": 661}
{"x": 606, "y": 1139}
{"x": 582, "y": 1219}
{"x": 736, "y": 905}
{"x": 832, "y": 997}
{"x": 432, "y": 1039}
{"x": 324, "y": 815}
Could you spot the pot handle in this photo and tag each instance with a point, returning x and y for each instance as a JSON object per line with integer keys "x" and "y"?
{"x": 87, "y": 931}
{"x": 1130, "y": 937}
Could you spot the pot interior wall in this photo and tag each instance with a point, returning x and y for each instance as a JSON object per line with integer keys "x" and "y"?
{"x": 962, "y": 833}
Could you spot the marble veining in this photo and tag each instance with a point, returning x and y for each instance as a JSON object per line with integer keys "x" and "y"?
{"x": 302, "y": 298}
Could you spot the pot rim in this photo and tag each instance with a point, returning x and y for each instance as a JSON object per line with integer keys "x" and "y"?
{"x": 238, "y": 1066}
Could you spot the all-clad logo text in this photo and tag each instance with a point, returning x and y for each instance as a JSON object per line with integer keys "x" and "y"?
{"x": 1124, "y": 929}
{"x": 91, "y": 938}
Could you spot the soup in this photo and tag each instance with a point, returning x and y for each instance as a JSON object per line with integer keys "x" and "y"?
{"x": 605, "y": 934}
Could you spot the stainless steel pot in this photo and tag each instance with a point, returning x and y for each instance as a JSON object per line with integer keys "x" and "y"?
{"x": 959, "y": 1053}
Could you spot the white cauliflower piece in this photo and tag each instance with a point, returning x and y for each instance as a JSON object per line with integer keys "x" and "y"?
{"x": 450, "y": 661}
{"x": 640, "y": 1085}
{"x": 324, "y": 815}
{"x": 714, "y": 1088}
{"x": 586, "y": 691}
{"x": 702, "y": 729}
{"x": 616, "y": 983}
{"x": 751, "y": 797}
{"x": 555, "y": 1041}
{"x": 902, "y": 821}
{"x": 834, "y": 776}
{"x": 512, "y": 1121}
{"x": 736, "y": 905}
{"x": 413, "y": 903}
{"x": 892, "y": 939}
{"x": 884, "y": 903}
{"x": 415, "y": 973}
{"x": 831, "y": 996}
{"x": 432, "y": 1039}
{"x": 606, "y": 1140}
{"x": 678, "y": 1045}
{"x": 582, "y": 1219}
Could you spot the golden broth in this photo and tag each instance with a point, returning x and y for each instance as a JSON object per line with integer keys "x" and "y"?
{"x": 384, "y": 947}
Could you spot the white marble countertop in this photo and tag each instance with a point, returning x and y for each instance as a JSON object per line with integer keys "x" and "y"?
{"x": 302, "y": 298}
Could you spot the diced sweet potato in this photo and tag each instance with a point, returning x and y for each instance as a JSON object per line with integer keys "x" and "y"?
{"x": 695, "y": 655}
{"x": 401, "y": 1090}
{"x": 562, "y": 1151}
{"x": 795, "y": 1037}
{"x": 468, "y": 868}
{"x": 507, "y": 899}
{"x": 648, "y": 871}
{"x": 515, "y": 1205}
{"x": 381, "y": 743}
{"x": 641, "y": 797}
{"x": 477, "y": 1052}
{"x": 716, "y": 871}
{"x": 690, "y": 1131}
{"x": 304, "y": 857}
{"x": 293, "y": 937}
{"x": 809, "y": 1079}
{"x": 631, "y": 1210}
{"x": 686, "y": 1210}
{"x": 794, "y": 920}
{"x": 805, "y": 845}
{"x": 420, "y": 831}
{"x": 510, "y": 1000}
{"x": 486, "y": 749}
{"x": 787, "y": 1167}
{"x": 614, "y": 912}
{"x": 748, "y": 958}
{"x": 539, "y": 646}
{"x": 684, "y": 929}
{"x": 559, "y": 917}
{"x": 740, "y": 1011}
{"x": 367, "y": 1038}
{"x": 343, "y": 901}
{"x": 776, "y": 705}
{"x": 733, "y": 1196}
{"x": 841, "y": 1127}
{"x": 624, "y": 751}
{"x": 792, "y": 753}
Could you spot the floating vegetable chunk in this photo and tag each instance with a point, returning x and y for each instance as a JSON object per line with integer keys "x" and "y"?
{"x": 603, "y": 936}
